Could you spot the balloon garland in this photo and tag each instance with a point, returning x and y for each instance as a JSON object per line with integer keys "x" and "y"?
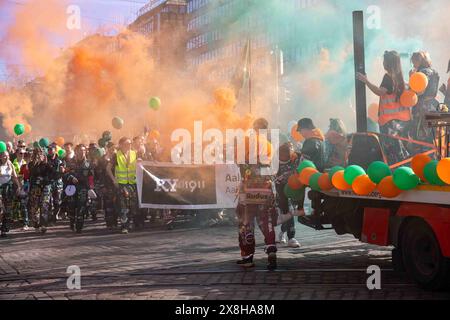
{"x": 390, "y": 184}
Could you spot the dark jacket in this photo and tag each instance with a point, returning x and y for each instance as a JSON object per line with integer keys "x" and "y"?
{"x": 313, "y": 149}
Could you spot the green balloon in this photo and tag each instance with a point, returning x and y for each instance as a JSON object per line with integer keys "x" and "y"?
{"x": 431, "y": 175}
{"x": 155, "y": 103}
{"x": 99, "y": 152}
{"x": 44, "y": 142}
{"x": 61, "y": 153}
{"x": 333, "y": 171}
{"x": 305, "y": 164}
{"x": 296, "y": 195}
{"x": 377, "y": 171}
{"x": 353, "y": 172}
{"x": 314, "y": 181}
{"x": 36, "y": 144}
{"x": 102, "y": 142}
{"x": 405, "y": 178}
{"x": 2, "y": 146}
{"x": 107, "y": 136}
{"x": 19, "y": 129}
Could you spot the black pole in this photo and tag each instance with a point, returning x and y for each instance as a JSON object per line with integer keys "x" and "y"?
{"x": 360, "y": 88}
{"x": 250, "y": 74}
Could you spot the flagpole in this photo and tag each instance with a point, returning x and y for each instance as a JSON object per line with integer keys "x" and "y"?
{"x": 277, "y": 86}
{"x": 250, "y": 74}
{"x": 249, "y": 38}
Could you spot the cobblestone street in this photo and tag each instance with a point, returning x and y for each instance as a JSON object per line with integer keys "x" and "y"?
{"x": 192, "y": 263}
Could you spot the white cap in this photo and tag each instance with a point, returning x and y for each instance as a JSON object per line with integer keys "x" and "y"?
{"x": 92, "y": 194}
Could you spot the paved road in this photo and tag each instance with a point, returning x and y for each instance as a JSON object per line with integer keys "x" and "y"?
{"x": 192, "y": 263}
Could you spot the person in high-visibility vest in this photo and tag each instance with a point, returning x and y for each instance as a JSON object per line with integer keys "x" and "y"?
{"x": 393, "y": 118}
{"x": 123, "y": 164}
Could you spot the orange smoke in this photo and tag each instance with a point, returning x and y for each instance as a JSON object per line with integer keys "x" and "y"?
{"x": 76, "y": 92}
{"x": 15, "y": 108}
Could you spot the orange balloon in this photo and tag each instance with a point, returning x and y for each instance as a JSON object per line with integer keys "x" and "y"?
{"x": 363, "y": 186}
{"x": 154, "y": 135}
{"x": 59, "y": 141}
{"x": 418, "y": 163}
{"x": 339, "y": 181}
{"x": 443, "y": 170}
{"x": 28, "y": 128}
{"x": 418, "y": 82}
{"x": 408, "y": 98}
{"x": 373, "y": 112}
{"x": 306, "y": 174}
{"x": 325, "y": 183}
{"x": 388, "y": 189}
{"x": 296, "y": 135}
{"x": 294, "y": 183}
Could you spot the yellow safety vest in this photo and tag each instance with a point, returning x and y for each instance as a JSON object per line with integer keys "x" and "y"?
{"x": 126, "y": 171}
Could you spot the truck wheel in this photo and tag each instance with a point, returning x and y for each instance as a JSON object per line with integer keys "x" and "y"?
{"x": 397, "y": 260}
{"x": 422, "y": 256}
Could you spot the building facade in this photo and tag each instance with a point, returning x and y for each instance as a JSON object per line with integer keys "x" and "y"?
{"x": 219, "y": 32}
{"x": 219, "y": 29}
{"x": 164, "y": 22}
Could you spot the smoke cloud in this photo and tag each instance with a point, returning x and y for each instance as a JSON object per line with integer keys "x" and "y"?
{"x": 77, "y": 91}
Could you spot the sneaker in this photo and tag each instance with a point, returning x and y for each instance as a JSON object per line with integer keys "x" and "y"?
{"x": 282, "y": 237}
{"x": 293, "y": 243}
{"x": 25, "y": 228}
{"x": 125, "y": 231}
{"x": 246, "y": 262}
{"x": 272, "y": 261}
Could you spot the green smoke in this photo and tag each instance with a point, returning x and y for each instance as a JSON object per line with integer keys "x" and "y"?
{"x": 316, "y": 37}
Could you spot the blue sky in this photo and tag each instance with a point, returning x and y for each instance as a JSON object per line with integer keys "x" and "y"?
{"x": 95, "y": 14}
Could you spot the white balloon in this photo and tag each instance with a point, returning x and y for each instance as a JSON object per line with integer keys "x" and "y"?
{"x": 70, "y": 190}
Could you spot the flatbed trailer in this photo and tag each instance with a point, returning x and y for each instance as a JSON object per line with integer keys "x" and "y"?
{"x": 417, "y": 222}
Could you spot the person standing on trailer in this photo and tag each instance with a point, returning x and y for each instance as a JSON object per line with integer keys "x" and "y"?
{"x": 393, "y": 118}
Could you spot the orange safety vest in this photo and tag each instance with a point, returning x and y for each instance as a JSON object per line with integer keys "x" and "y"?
{"x": 391, "y": 109}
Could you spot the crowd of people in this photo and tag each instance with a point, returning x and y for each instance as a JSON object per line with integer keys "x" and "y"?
{"x": 42, "y": 187}
{"x": 39, "y": 187}
{"x": 331, "y": 149}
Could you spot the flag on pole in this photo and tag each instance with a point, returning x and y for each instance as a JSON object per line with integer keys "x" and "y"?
{"x": 242, "y": 72}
